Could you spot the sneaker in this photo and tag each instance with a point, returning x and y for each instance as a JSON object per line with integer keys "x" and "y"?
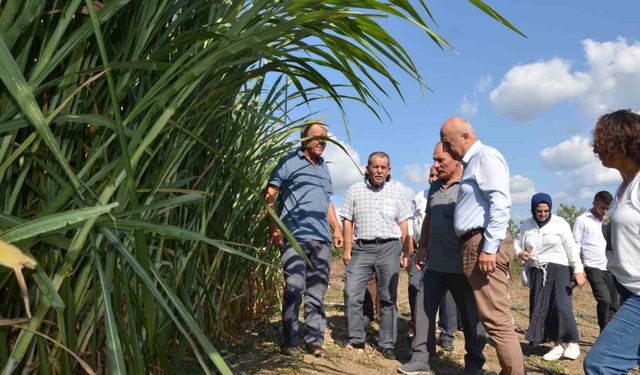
{"x": 554, "y": 354}
{"x": 572, "y": 351}
{"x": 415, "y": 368}
{"x": 389, "y": 353}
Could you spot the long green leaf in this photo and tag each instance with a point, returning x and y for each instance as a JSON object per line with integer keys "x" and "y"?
{"x": 54, "y": 222}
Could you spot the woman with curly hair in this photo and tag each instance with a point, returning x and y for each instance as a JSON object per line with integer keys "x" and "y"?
{"x": 616, "y": 141}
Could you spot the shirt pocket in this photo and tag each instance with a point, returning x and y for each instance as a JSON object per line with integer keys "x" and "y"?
{"x": 388, "y": 210}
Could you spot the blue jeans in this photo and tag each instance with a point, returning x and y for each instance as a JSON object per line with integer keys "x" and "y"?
{"x": 617, "y": 349}
{"x": 384, "y": 260}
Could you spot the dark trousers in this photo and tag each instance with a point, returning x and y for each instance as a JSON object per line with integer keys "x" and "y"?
{"x": 605, "y": 293}
{"x": 415, "y": 279}
{"x": 434, "y": 287}
{"x": 448, "y": 321}
{"x": 311, "y": 283}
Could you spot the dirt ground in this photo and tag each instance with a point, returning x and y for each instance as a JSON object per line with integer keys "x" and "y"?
{"x": 257, "y": 349}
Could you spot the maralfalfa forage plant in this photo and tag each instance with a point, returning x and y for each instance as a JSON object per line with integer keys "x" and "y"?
{"x": 135, "y": 138}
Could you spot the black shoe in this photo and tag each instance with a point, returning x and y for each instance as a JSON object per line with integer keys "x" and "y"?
{"x": 389, "y": 353}
{"x": 447, "y": 346}
{"x": 347, "y": 345}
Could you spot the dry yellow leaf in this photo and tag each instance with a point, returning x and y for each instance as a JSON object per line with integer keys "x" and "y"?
{"x": 14, "y": 258}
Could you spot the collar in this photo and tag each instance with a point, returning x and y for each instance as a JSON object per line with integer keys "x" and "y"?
{"x": 453, "y": 183}
{"x": 591, "y": 215}
{"x": 367, "y": 183}
{"x": 301, "y": 155}
{"x": 471, "y": 152}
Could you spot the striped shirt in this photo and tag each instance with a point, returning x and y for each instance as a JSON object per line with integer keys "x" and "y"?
{"x": 375, "y": 212}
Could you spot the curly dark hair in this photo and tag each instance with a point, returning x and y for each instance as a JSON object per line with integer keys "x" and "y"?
{"x": 618, "y": 133}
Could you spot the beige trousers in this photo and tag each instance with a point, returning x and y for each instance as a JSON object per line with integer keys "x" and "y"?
{"x": 491, "y": 292}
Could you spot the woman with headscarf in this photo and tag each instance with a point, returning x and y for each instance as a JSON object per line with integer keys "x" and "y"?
{"x": 547, "y": 246}
{"x": 616, "y": 141}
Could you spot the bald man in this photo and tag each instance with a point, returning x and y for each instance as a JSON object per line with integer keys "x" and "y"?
{"x": 481, "y": 219}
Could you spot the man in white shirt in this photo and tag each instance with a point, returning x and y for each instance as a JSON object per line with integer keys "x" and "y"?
{"x": 375, "y": 215}
{"x": 481, "y": 219}
{"x": 587, "y": 230}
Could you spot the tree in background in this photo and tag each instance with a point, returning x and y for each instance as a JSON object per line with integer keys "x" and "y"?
{"x": 569, "y": 212}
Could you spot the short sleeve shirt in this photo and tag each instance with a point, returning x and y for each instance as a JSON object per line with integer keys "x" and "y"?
{"x": 304, "y": 195}
{"x": 443, "y": 249}
{"x": 375, "y": 212}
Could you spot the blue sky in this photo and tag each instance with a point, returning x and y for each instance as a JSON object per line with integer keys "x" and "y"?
{"x": 534, "y": 99}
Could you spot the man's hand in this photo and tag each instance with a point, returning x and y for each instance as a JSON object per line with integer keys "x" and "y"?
{"x": 421, "y": 256}
{"x": 346, "y": 256}
{"x": 404, "y": 259}
{"x": 487, "y": 262}
{"x": 524, "y": 256}
{"x": 580, "y": 279}
{"x": 276, "y": 238}
{"x": 338, "y": 240}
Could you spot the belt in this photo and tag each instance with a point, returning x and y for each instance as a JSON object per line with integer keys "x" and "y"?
{"x": 467, "y": 236}
{"x": 376, "y": 241}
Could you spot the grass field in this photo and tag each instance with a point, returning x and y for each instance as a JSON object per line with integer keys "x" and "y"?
{"x": 256, "y": 350}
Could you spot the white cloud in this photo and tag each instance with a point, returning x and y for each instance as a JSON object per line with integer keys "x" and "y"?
{"x": 586, "y": 192}
{"x": 469, "y": 104}
{"x": 576, "y": 161}
{"x": 594, "y": 174}
{"x": 344, "y": 172}
{"x": 575, "y": 152}
{"x": 468, "y": 107}
{"x": 416, "y": 173}
{"x": 405, "y": 191}
{"x": 484, "y": 84}
{"x": 612, "y": 81}
{"x": 522, "y": 188}
{"x": 614, "y": 69}
{"x": 527, "y": 90}
{"x": 560, "y": 196}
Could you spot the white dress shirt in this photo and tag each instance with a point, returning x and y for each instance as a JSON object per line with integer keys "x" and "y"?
{"x": 419, "y": 204}
{"x": 587, "y": 230}
{"x": 553, "y": 243}
{"x": 484, "y": 200}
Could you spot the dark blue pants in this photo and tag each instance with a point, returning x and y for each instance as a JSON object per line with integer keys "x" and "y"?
{"x": 312, "y": 283}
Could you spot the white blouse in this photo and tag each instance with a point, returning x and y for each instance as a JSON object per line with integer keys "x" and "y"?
{"x": 553, "y": 243}
{"x": 624, "y": 259}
